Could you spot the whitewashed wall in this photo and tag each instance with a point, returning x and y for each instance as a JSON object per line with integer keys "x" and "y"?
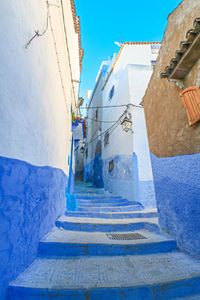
{"x": 35, "y": 115}
{"x": 132, "y": 175}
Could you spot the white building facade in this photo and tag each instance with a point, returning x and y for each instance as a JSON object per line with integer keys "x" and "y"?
{"x": 125, "y": 157}
{"x": 41, "y": 56}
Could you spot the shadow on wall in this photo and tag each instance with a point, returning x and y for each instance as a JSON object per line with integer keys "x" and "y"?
{"x": 119, "y": 180}
{"x": 177, "y": 186}
{"x": 31, "y": 198}
{"x": 93, "y": 171}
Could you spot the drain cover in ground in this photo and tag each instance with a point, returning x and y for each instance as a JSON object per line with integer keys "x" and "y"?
{"x": 125, "y": 236}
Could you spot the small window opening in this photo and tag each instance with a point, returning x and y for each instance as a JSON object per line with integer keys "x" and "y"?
{"x": 97, "y": 114}
{"x": 106, "y": 139}
{"x": 111, "y": 94}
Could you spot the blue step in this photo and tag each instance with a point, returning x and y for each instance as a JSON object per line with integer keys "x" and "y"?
{"x": 104, "y": 201}
{"x": 46, "y": 249}
{"x": 112, "y": 208}
{"x": 94, "y": 196}
{"x": 88, "y": 205}
{"x": 111, "y": 215}
{"x": 101, "y": 225}
{"x": 67, "y": 244}
{"x": 166, "y": 276}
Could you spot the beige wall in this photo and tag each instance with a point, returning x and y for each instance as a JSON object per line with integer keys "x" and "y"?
{"x": 168, "y": 128}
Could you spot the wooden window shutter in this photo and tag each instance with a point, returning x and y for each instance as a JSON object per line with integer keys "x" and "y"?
{"x": 191, "y": 102}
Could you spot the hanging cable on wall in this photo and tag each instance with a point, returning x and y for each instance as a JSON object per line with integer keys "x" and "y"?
{"x": 37, "y": 33}
{"x": 67, "y": 45}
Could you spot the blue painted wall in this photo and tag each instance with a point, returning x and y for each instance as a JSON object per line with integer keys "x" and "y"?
{"x": 31, "y": 198}
{"x": 93, "y": 171}
{"x": 143, "y": 189}
{"x": 177, "y": 186}
{"x": 120, "y": 180}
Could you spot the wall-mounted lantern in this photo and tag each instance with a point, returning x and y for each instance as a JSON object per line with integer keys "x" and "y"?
{"x": 127, "y": 123}
{"x": 82, "y": 147}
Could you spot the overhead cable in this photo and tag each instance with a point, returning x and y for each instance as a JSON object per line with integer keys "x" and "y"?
{"x": 111, "y": 106}
{"x": 111, "y": 128}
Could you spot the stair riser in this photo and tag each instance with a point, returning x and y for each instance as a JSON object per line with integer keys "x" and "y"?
{"x": 98, "y": 196}
{"x": 91, "y": 194}
{"x": 68, "y": 250}
{"x": 111, "y": 209}
{"x": 165, "y": 291}
{"x": 88, "y": 205}
{"x": 88, "y": 227}
{"x": 87, "y": 201}
{"x": 108, "y": 215}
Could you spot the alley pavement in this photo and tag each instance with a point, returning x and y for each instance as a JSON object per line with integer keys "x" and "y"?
{"x": 109, "y": 248}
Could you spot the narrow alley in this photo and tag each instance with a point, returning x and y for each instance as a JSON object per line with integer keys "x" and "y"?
{"x": 99, "y": 150}
{"x": 108, "y": 248}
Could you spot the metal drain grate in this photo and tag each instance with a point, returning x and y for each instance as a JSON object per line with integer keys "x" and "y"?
{"x": 125, "y": 236}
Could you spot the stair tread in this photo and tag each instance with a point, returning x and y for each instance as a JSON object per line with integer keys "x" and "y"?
{"x": 79, "y": 237}
{"x": 111, "y": 207}
{"x": 142, "y": 212}
{"x": 87, "y": 220}
{"x": 107, "y": 272}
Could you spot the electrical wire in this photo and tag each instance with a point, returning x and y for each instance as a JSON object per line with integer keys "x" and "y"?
{"x": 111, "y": 106}
{"x": 58, "y": 62}
{"x": 66, "y": 41}
{"x": 100, "y": 121}
{"x": 109, "y": 129}
{"x": 37, "y": 33}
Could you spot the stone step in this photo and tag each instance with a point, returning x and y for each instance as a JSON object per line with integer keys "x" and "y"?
{"x": 103, "y": 225}
{"x": 70, "y": 243}
{"x": 97, "y": 196}
{"x": 113, "y": 215}
{"x": 149, "y": 277}
{"x": 112, "y": 208}
{"x": 103, "y": 204}
{"x": 110, "y": 201}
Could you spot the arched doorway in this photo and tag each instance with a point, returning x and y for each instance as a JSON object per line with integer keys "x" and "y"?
{"x": 98, "y": 166}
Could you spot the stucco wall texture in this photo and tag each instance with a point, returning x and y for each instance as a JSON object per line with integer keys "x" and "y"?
{"x": 177, "y": 194}
{"x": 168, "y": 128}
{"x": 31, "y": 198}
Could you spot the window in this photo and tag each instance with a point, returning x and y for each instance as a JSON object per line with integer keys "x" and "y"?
{"x": 153, "y": 63}
{"x": 111, "y": 93}
{"x": 191, "y": 102}
{"x": 106, "y": 139}
{"x": 97, "y": 113}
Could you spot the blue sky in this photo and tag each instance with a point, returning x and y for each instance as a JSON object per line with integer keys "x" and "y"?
{"x": 106, "y": 21}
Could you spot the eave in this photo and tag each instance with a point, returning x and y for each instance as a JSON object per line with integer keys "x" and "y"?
{"x": 186, "y": 56}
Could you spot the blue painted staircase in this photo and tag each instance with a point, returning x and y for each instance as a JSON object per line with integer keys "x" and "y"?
{"x": 109, "y": 248}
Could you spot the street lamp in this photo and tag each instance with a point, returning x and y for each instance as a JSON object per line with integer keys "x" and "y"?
{"x": 127, "y": 123}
